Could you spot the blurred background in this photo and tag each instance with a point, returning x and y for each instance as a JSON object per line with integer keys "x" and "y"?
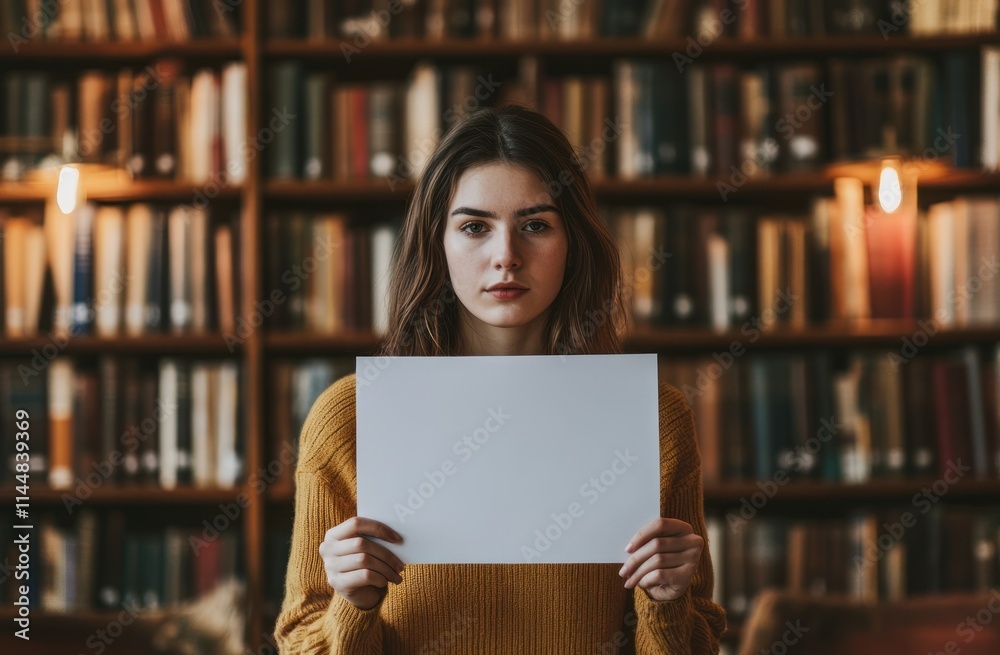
{"x": 199, "y": 201}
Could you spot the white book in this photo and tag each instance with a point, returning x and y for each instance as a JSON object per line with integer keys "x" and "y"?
{"x": 125, "y": 28}
{"x": 204, "y": 123}
{"x": 168, "y": 423}
{"x": 940, "y": 235}
{"x": 138, "y": 237}
{"x": 179, "y": 248}
{"x": 234, "y": 121}
{"x": 198, "y": 263}
{"x": 109, "y": 280}
{"x": 226, "y": 417}
{"x": 850, "y": 196}
{"x": 961, "y": 259}
{"x": 202, "y": 428}
{"x": 991, "y": 108}
{"x": 718, "y": 282}
{"x": 422, "y": 114}
{"x": 383, "y": 240}
{"x": 626, "y": 91}
{"x": 60, "y": 234}
{"x": 34, "y": 277}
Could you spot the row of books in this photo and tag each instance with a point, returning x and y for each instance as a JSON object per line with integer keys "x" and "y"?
{"x": 122, "y": 421}
{"x": 117, "y": 20}
{"x": 845, "y": 417}
{"x": 355, "y": 130}
{"x": 657, "y": 117}
{"x": 328, "y": 274}
{"x": 555, "y": 19}
{"x": 872, "y": 555}
{"x": 295, "y": 385}
{"x": 163, "y": 121}
{"x": 103, "y": 561}
{"x": 725, "y": 121}
{"x": 114, "y": 270}
{"x": 729, "y": 268}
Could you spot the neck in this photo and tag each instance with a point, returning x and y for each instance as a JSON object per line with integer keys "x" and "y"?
{"x": 478, "y": 339}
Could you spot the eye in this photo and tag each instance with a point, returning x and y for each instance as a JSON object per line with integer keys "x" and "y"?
{"x": 472, "y": 224}
{"x": 540, "y": 223}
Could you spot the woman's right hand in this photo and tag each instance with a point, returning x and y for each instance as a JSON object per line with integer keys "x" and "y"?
{"x": 358, "y": 568}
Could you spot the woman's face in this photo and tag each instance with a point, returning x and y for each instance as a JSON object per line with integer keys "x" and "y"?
{"x": 502, "y": 226}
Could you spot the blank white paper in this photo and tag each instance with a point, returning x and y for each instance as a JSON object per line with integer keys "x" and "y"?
{"x": 509, "y": 459}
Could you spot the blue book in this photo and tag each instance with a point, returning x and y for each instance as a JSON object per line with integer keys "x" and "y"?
{"x": 82, "y": 320}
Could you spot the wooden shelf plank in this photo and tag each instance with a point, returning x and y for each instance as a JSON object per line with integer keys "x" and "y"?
{"x": 732, "y": 493}
{"x": 108, "y": 494}
{"x": 140, "y": 190}
{"x": 604, "y": 47}
{"x": 297, "y": 343}
{"x": 662, "y": 186}
{"x": 152, "y": 344}
{"x": 876, "y": 333}
{"x": 55, "y": 51}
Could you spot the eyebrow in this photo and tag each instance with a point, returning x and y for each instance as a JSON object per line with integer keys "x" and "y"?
{"x": 527, "y": 211}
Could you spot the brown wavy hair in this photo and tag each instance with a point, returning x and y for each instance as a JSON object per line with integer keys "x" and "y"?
{"x": 589, "y": 313}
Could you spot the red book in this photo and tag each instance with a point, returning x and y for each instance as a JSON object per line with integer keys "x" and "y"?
{"x": 357, "y": 104}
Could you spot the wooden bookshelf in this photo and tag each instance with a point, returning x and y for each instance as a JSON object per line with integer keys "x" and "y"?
{"x": 260, "y": 347}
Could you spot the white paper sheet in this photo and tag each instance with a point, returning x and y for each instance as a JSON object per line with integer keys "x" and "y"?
{"x": 509, "y": 459}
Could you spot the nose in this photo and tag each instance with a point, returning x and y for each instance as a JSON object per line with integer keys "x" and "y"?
{"x": 505, "y": 248}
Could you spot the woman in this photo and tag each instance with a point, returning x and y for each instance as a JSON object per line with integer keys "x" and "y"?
{"x": 502, "y": 252}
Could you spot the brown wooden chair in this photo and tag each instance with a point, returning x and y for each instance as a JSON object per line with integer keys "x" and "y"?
{"x": 782, "y": 621}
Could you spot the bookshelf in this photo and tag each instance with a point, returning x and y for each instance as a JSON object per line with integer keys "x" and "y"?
{"x": 260, "y": 196}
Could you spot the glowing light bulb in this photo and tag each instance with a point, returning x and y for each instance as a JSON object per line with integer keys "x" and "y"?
{"x": 66, "y": 191}
{"x": 890, "y": 194}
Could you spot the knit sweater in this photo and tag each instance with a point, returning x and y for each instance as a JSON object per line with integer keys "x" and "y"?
{"x": 487, "y": 609}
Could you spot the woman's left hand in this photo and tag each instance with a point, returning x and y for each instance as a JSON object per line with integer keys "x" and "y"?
{"x": 665, "y": 555}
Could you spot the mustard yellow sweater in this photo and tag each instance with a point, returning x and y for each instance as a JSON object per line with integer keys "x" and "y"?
{"x": 487, "y": 609}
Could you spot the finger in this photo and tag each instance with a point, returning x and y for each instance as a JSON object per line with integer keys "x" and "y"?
{"x": 359, "y": 561}
{"x": 676, "y": 577}
{"x": 653, "y": 546}
{"x": 362, "y": 545}
{"x": 354, "y": 580}
{"x": 357, "y": 526}
{"x": 659, "y": 527}
{"x": 657, "y": 561}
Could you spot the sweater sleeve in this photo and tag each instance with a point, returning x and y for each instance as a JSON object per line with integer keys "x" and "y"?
{"x": 314, "y": 618}
{"x": 691, "y": 624}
